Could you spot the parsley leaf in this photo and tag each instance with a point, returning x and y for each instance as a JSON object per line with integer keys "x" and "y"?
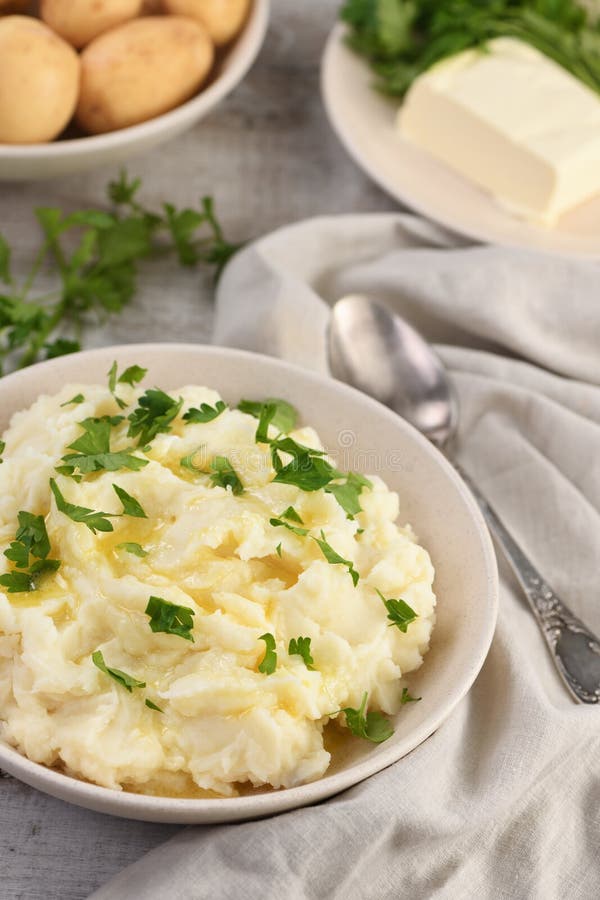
{"x": 154, "y": 414}
{"x": 399, "y": 613}
{"x": 132, "y": 547}
{"x": 278, "y": 550}
{"x": 284, "y": 418}
{"x": 169, "y": 618}
{"x": 93, "y": 453}
{"x": 301, "y": 647}
{"x": 374, "y": 727}
{"x": 269, "y": 663}
{"x": 78, "y": 398}
{"x": 308, "y": 471}
{"x": 31, "y": 539}
{"x": 95, "y": 521}
{"x": 128, "y": 681}
{"x": 335, "y": 559}
{"x": 224, "y": 475}
{"x": 187, "y": 462}
{"x": 131, "y": 507}
{"x": 2, "y": 449}
{"x": 131, "y": 376}
{"x": 406, "y": 698}
{"x": 290, "y": 513}
{"x": 206, "y": 413}
{"x": 152, "y": 705}
{"x": 348, "y": 493}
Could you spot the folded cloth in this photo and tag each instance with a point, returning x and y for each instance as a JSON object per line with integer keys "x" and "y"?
{"x": 503, "y": 801}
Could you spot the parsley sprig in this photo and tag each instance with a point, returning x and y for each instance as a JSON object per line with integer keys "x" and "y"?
{"x": 401, "y": 38}
{"x": 153, "y": 414}
{"x": 300, "y": 646}
{"x": 170, "y": 618}
{"x": 95, "y": 520}
{"x": 290, "y": 514}
{"x": 206, "y": 412}
{"x": 122, "y": 678}
{"x": 373, "y": 726}
{"x": 31, "y": 540}
{"x": 92, "y": 451}
{"x": 95, "y": 256}
{"x": 399, "y": 612}
{"x": 335, "y": 559}
{"x": 269, "y": 661}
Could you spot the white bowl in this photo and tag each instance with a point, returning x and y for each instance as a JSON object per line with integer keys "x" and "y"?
{"x": 365, "y": 436}
{"x": 19, "y": 162}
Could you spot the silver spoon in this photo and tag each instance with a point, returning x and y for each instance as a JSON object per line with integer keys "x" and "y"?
{"x": 382, "y": 355}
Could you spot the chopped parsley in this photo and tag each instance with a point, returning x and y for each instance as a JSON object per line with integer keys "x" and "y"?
{"x": 131, "y": 507}
{"x": 169, "y": 618}
{"x": 335, "y": 559}
{"x": 31, "y": 539}
{"x": 127, "y": 681}
{"x": 78, "y": 398}
{"x": 283, "y": 419}
{"x": 223, "y": 475}
{"x": 133, "y": 548}
{"x": 152, "y": 705}
{"x": 95, "y": 521}
{"x": 348, "y": 493}
{"x": 269, "y": 663}
{"x": 187, "y": 462}
{"x": 289, "y": 513}
{"x": 278, "y": 550}
{"x": 131, "y": 376}
{"x": 93, "y": 453}
{"x": 2, "y": 449}
{"x": 301, "y": 647}
{"x": 406, "y": 698}
{"x": 205, "y": 413}
{"x": 399, "y": 612}
{"x": 373, "y": 726}
{"x": 307, "y": 470}
{"x": 153, "y": 414}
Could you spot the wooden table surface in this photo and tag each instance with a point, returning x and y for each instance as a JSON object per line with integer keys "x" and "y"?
{"x": 269, "y": 157}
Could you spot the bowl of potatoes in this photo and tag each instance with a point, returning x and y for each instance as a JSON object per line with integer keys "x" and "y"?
{"x": 85, "y": 83}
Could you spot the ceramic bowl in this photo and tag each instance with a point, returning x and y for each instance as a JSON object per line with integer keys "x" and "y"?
{"x": 19, "y": 162}
{"x": 362, "y": 435}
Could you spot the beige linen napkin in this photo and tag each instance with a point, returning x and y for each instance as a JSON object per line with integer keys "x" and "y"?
{"x": 503, "y": 801}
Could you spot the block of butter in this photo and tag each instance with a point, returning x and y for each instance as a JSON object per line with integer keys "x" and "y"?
{"x": 514, "y": 122}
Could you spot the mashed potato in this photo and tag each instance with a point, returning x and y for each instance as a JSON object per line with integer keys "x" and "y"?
{"x": 222, "y": 720}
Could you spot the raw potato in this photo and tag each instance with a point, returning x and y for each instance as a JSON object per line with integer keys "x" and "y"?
{"x": 39, "y": 80}
{"x": 223, "y": 18}
{"x": 140, "y": 70}
{"x": 80, "y": 21}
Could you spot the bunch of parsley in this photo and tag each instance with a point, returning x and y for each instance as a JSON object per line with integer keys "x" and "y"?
{"x": 403, "y": 38}
{"x": 96, "y": 256}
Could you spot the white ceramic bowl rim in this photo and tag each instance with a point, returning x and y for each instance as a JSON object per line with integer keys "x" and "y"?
{"x": 241, "y": 55}
{"x": 184, "y": 810}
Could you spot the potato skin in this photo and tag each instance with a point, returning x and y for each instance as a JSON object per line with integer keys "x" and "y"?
{"x": 223, "y": 18}
{"x": 140, "y": 70}
{"x": 39, "y": 81}
{"x": 80, "y": 21}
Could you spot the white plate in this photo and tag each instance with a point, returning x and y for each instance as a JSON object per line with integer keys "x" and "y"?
{"x": 364, "y": 122}
{"x": 368, "y": 437}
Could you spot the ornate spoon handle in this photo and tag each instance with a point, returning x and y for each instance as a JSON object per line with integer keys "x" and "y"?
{"x": 575, "y": 650}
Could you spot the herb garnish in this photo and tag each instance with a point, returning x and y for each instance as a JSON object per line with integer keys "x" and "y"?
{"x": 348, "y": 493}
{"x": 93, "y": 453}
{"x": 374, "y": 727}
{"x": 131, "y": 376}
{"x": 406, "y": 698}
{"x": 301, "y": 647}
{"x": 308, "y": 471}
{"x": 401, "y": 38}
{"x": 95, "y": 256}
{"x": 269, "y": 663}
{"x": 169, "y": 618}
{"x": 206, "y": 413}
{"x": 78, "y": 398}
{"x": 95, "y": 521}
{"x": 283, "y": 419}
{"x": 224, "y": 475}
{"x": 127, "y": 681}
{"x": 2, "y": 449}
{"x": 131, "y": 507}
{"x": 278, "y": 550}
{"x": 154, "y": 414}
{"x": 152, "y": 705}
{"x": 291, "y": 514}
{"x": 335, "y": 559}
{"x": 31, "y": 539}
{"x": 399, "y": 613}
{"x": 132, "y": 547}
